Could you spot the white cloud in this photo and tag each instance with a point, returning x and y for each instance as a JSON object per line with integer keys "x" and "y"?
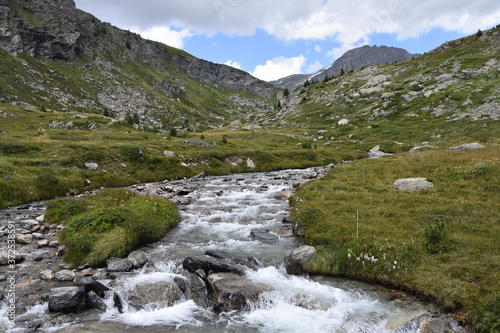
{"x": 347, "y": 23}
{"x": 317, "y": 48}
{"x": 313, "y": 68}
{"x": 166, "y": 35}
{"x": 234, "y": 64}
{"x": 279, "y": 67}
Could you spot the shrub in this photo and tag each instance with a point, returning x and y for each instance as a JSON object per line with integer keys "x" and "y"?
{"x": 486, "y": 315}
{"x": 436, "y": 238}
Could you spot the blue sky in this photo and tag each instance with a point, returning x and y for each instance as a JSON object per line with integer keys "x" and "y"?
{"x": 275, "y": 38}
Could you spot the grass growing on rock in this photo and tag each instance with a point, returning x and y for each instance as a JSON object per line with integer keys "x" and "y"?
{"x": 440, "y": 243}
{"x": 109, "y": 224}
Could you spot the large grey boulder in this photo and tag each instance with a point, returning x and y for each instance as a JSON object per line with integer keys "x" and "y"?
{"x": 294, "y": 263}
{"x": 412, "y": 184}
{"x": 234, "y": 292}
{"x": 118, "y": 265}
{"x": 67, "y": 299}
{"x": 162, "y": 293}
{"x": 137, "y": 258}
{"x": 468, "y": 146}
{"x": 208, "y": 264}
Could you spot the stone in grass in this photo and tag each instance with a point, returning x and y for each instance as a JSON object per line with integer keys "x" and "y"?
{"x": 468, "y": 146}
{"x": 412, "y": 184}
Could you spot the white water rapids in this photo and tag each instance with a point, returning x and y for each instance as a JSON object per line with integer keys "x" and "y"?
{"x": 221, "y": 215}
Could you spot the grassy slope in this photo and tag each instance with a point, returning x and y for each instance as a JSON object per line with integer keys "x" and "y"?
{"x": 41, "y": 162}
{"x": 459, "y": 270}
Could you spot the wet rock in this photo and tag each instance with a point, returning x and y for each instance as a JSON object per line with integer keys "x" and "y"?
{"x": 298, "y": 230}
{"x": 282, "y": 196}
{"x": 434, "y": 326}
{"x": 195, "y": 288}
{"x": 162, "y": 293}
{"x": 233, "y": 292}
{"x": 137, "y": 258}
{"x": 295, "y": 262}
{"x": 117, "y": 302}
{"x": 95, "y": 302}
{"x": 287, "y": 220}
{"x": 207, "y": 264}
{"x": 218, "y": 254}
{"x": 91, "y": 284}
{"x": 67, "y": 299}
{"x": 412, "y": 184}
{"x": 118, "y": 265}
{"x": 47, "y": 274}
{"x": 264, "y": 236}
{"x": 468, "y": 146}
{"x": 65, "y": 275}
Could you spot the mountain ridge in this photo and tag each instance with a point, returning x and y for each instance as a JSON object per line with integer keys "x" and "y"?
{"x": 156, "y": 74}
{"x": 353, "y": 59}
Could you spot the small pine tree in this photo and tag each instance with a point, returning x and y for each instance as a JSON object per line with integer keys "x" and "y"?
{"x": 129, "y": 119}
{"x": 479, "y": 33}
{"x": 342, "y": 72}
{"x": 135, "y": 118}
{"x": 286, "y": 92}
{"x": 173, "y": 132}
{"x": 307, "y": 83}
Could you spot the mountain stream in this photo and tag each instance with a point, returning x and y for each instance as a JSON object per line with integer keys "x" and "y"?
{"x": 221, "y": 215}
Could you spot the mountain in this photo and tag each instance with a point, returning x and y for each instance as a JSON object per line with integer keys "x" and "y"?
{"x": 363, "y": 56}
{"x": 59, "y": 57}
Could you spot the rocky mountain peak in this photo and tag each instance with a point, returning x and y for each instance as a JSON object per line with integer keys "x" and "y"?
{"x": 363, "y": 56}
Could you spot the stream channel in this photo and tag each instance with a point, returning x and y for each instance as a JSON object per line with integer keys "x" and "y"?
{"x": 219, "y": 215}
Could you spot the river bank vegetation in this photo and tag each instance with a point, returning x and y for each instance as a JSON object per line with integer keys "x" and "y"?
{"x": 109, "y": 224}
{"x": 439, "y": 243}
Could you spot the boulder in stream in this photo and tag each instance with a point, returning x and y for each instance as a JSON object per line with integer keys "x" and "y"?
{"x": 208, "y": 264}
{"x": 137, "y": 258}
{"x": 160, "y": 293}
{"x": 264, "y": 236}
{"x": 67, "y": 299}
{"x": 90, "y": 284}
{"x": 295, "y": 262}
{"x": 95, "y": 302}
{"x": 119, "y": 265}
{"x": 233, "y": 292}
